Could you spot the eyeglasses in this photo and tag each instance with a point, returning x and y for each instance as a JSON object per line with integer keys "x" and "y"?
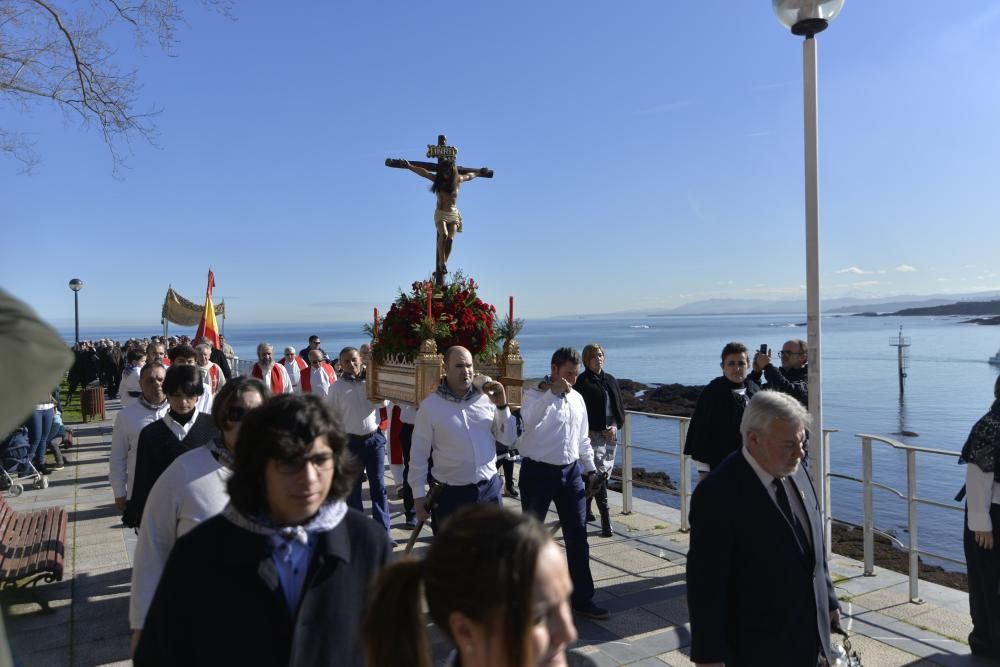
{"x": 322, "y": 462}
{"x": 236, "y": 413}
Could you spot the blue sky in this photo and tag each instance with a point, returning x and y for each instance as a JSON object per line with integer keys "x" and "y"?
{"x": 647, "y": 154}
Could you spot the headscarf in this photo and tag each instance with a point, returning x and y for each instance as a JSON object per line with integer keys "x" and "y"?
{"x": 984, "y": 441}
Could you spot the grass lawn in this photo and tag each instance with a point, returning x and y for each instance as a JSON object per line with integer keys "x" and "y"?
{"x": 72, "y": 413}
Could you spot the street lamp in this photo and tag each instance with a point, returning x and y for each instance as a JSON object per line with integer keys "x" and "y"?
{"x": 76, "y": 285}
{"x": 807, "y": 18}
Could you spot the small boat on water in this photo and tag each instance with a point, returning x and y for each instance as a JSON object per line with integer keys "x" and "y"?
{"x": 995, "y": 359}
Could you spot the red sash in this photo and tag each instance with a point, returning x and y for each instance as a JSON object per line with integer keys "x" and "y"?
{"x": 383, "y": 415}
{"x": 305, "y": 379}
{"x": 395, "y": 441}
{"x": 277, "y": 386}
{"x": 213, "y": 376}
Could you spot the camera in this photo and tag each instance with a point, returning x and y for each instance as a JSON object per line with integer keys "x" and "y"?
{"x": 763, "y": 348}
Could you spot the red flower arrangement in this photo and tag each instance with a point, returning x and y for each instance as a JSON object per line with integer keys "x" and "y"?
{"x": 457, "y": 317}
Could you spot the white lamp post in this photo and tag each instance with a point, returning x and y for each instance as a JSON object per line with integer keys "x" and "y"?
{"x": 807, "y": 18}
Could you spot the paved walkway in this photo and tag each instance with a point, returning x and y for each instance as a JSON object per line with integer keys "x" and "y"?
{"x": 639, "y": 575}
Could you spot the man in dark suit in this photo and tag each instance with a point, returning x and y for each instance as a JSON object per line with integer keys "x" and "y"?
{"x": 759, "y": 591}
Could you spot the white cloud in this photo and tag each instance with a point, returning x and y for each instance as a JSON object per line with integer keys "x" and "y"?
{"x": 941, "y": 280}
{"x": 906, "y": 268}
{"x": 865, "y": 283}
{"x": 855, "y": 270}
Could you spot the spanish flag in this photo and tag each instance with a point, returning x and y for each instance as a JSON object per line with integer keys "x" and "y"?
{"x": 208, "y": 327}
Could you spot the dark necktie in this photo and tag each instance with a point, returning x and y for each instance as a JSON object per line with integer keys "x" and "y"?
{"x": 786, "y": 509}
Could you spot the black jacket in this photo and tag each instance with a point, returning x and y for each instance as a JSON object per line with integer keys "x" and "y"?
{"x": 714, "y": 432}
{"x": 218, "y": 357}
{"x": 593, "y": 387}
{"x": 157, "y": 449}
{"x": 220, "y": 601}
{"x": 794, "y": 381}
{"x": 753, "y": 597}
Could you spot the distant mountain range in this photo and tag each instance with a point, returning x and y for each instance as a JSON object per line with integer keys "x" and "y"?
{"x": 837, "y": 305}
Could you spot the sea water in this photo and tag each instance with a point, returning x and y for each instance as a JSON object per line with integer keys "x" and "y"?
{"x": 949, "y": 386}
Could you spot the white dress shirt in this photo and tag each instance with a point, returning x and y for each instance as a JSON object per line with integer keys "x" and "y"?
{"x": 767, "y": 479}
{"x": 462, "y": 439}
{"x": 357, "y": 414}
{"x": 981, "y": 491}
{"x": 556, "y": 430}
{"x": 125, "y": 441}
{"x": 319, "y": 381}
{"x": 204, "y": 404}
{"x": 191, "y": 490}
{"x": 292, "y": 368}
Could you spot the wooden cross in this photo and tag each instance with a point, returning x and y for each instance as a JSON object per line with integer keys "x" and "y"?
{"x": 442, "y": 152}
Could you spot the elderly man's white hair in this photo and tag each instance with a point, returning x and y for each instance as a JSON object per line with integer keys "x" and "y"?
{"x": 289, "y": 349}
{"x": 767, "y": 406}
{"x": 261, "y": 347}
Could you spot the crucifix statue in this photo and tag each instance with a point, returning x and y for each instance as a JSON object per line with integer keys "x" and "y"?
{"x": 447, "y": 178}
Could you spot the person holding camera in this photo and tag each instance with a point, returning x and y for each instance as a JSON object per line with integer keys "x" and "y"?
{"x": 792, "y": 377}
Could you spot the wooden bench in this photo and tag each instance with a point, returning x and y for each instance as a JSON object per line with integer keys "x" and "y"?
{"x": 32, "y": 546}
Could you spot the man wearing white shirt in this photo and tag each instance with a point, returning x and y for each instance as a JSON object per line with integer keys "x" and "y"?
{"x": 360, "y": 418}
{"x": 295, "y": 366}
{"x": 318, "y": 377}
{"x": 557, "y": 451}
{"x": 459, "y": 426}
{"x": 148, "y": 408}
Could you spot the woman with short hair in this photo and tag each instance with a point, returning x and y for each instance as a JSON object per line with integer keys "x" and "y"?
{"x": 281, "y": 576}
{"x": 191, "y": 490}
{"x": 494, "y": 582}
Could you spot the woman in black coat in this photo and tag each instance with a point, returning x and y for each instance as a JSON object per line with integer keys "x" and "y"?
{"x": 605, "y": 416}
{"x": 714, "y": 432}
{"x": 281, "y": 577}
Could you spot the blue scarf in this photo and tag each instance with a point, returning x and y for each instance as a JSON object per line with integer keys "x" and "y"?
{"x": 445, "y": 392}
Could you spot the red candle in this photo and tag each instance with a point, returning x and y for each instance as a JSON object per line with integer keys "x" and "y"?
{"x": 376, "y": 324}
{"x": 511, "y": 308}
{"x": 430, "y": 295}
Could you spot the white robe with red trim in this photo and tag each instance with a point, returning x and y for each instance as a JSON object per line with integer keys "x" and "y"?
{"x": 318, "y": 380}
{"x": 276, "y": 379}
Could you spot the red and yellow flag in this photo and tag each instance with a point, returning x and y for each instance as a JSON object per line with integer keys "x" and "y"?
{"x": 209, "y": 326}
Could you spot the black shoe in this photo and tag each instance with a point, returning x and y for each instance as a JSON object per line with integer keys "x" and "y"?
{"x": 591, "y": 610}
{"x": 44, "y": 470}
{"x": 511, "y": 492}
{"x": 590, "y": 517}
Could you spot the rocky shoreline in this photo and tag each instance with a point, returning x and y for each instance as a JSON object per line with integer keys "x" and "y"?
{"x": 679, "y": 400}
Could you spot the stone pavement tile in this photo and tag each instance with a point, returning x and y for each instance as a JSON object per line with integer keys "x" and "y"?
{"x": 874, "y": 653}
{"x": 102, "y": 606}
{"x": 600, "y": 571}
{"x": 896, "y": 603}
{"x": 674, "y": 611}
{"x": 105, "y": 628}
{"x": 647, "y": 662}
{"x": 50, "y": 657}
{"x": 39, "y": 639}
{"x": 601, "y": 659}
{"x": 23, "y": 617}
{"x": 678, "y": 658}
{"x": 636, "y": 561}
{"x": 902, "y": 635}
{"x": 87, "y": 539}
{"x": 606, "y": 548}
{"x": 113, "y": 650}
{"x": 629, "y": 622}
{"x": 662, "y": 641}
{"x": 628, "y": 584}
{"x": 102, "y": 560}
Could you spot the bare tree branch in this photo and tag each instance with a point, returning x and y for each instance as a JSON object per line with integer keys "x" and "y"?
{"x": 51, "y": 54}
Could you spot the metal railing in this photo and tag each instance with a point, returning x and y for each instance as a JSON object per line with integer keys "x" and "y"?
{"x": 628, "y": 446}
{"x": 868, "y": 485}
{"x": 912, "y": 503}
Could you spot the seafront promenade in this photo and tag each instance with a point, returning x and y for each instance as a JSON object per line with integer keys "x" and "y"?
{"x": 639, "y": 575}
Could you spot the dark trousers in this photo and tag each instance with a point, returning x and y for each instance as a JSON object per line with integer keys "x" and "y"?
{"x": 984, "y": 600}
{"x": 406, "y": 440}
{"x": 540, "y": 485}
{"x": 450, "y": 499}
{"x": 370, "y": 451}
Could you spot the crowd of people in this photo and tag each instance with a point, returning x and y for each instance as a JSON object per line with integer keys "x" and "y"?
{"x": 255, "y": 494}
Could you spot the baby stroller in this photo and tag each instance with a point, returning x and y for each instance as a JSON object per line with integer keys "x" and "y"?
{"x": 15, "y": 464}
